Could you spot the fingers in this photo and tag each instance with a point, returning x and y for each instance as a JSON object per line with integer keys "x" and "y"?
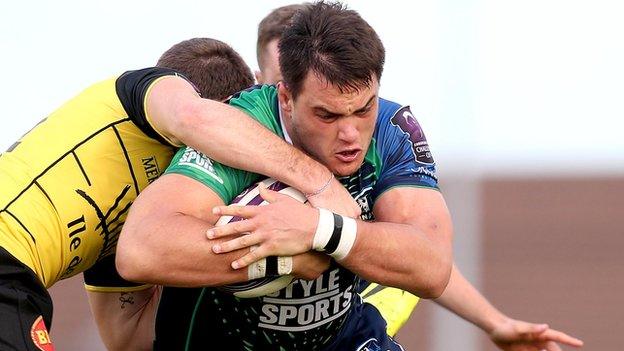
{"x": 543, "y": 333}
{"x": 269, "y": 196}
{"x": 553, "y": 335}
{"x": 238, "y": 227}
{"x": 235, "y": 210}
{"x": 253, "y": 256}
{"x": 551, "y": 338}
{"x": 530, "y": 330}
{"x": 519, "y": 335}
{"x": 237, "y": 244}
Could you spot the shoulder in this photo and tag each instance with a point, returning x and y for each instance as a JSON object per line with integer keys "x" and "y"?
{"x": 396, "y": 124}
{"x": 143, "y": 76}
{"x": 261, "y": 103}
{"x": 255, "y": 98}
{"x": 387, "y": 108}
{"x": 392, "y": 114}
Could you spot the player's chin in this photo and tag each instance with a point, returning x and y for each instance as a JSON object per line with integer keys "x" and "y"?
{"x": 343, "y": 169}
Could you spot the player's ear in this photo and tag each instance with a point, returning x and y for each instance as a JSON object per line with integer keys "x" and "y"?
{"x": 258, "y": 75}
{"x": 285, "y": 97}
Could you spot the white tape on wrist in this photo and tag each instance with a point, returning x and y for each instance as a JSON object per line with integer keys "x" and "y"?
{"x": 334, "y": 234}
{"x": 347, "y": 239}
{"x": 284, "y": 265}
{"x": 324, "y": 229}
{"x": 257, "y": 269}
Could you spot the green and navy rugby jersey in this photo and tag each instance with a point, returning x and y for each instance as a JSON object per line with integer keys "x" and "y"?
{"x": 306, "y": 315}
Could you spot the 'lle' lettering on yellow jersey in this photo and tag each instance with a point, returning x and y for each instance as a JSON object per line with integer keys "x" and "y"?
{"x": 67, "y": 185}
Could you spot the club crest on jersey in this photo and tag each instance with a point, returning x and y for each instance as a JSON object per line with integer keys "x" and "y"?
{"x": 197, "y": 160}
{"x": 408, "y": 124}
{"x": 40, "y": 336}
{"x": 363, "y": 200}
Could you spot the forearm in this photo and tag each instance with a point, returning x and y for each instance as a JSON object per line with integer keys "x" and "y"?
{"x": 399, "y": 255}
{"x": 461, "y": 298}
{"x": 125, "y": 320}
{"x": 411, "y": 253}
{"x": 229, "y": 136}
{"x": 189, "y": 261}
{"x": 174, "y": 251}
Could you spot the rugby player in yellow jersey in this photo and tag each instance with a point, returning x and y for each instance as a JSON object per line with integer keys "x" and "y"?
{"x": 394, "y": 304}
{"x": 66, "y": 186}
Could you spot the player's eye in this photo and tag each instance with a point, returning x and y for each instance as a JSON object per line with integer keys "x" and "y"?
{"x": 363, "y": 111}
{"x": 327, "y": 116}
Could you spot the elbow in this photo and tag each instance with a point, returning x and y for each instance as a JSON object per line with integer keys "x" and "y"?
{"x": 435, "y": 289}
{"x": 132, "y": 263}
{"x": 438, "y": 280}
{"x": 441, "y": 266}
{"x": 442, "y": 277}
{"x": 127, "y": 266}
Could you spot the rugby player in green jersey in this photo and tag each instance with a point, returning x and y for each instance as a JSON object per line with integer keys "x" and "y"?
{"x": 460, "y": 297}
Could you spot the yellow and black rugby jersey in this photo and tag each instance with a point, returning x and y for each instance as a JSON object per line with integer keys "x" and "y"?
{"x": 67, "y": 185}
{"x": 395, "y": 305}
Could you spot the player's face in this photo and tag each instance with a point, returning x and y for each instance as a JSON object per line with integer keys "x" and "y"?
{"x": 270, "y": 73}
{"x": 332, "y": 126}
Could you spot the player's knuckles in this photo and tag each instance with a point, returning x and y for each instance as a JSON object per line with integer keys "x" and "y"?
{"x": 270, "y": 246}
{"x": 240, "y": 227}
{"x": 255, "y": 223}
{"x": 243, "y": 241}
{"x": 253, "y": 256}
{"x": 261, "y": 236}
{"x": 275, "y": 233}
{"x": 520, "y": 329}
{"x": 237, "y": 210}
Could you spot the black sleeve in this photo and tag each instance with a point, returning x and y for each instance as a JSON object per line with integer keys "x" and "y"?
{"x": 103, "y": 276}
{"x": 131, "y": 88}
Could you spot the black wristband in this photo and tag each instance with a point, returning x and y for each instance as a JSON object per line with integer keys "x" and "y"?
{"x": 271, "y": 266}
{"x": 333, "y": 242}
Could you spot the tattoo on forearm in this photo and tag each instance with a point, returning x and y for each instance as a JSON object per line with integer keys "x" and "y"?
{"x": 126, "y": 297}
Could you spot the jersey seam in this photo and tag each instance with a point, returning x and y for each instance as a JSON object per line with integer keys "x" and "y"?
{"x": 61, "y": 158}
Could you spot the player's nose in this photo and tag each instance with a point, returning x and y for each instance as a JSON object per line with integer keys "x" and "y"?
{"x": 347, "y": 131}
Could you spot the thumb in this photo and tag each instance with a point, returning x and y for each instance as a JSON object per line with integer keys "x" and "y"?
{"x": 269, "y": 196}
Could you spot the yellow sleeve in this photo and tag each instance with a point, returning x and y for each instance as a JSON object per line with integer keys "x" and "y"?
{"x": 395, "y": 305}
{"x": 116, "y": 289}
{"x": 103, "y": 277}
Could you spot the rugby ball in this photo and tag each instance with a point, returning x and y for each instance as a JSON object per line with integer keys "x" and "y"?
{"x": 251, "y": 197}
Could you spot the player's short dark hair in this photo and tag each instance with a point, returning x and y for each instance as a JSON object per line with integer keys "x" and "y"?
{"x": 272, "y": 26}
{"x": 216, "y": 69}
{"x": 334, "y": 43}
